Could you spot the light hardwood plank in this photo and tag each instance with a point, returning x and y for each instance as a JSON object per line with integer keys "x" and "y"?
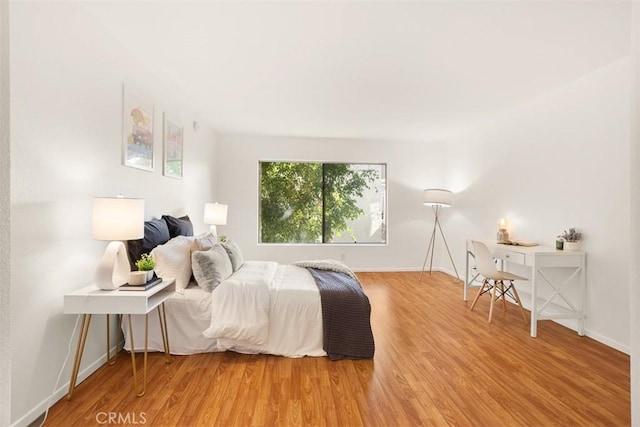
{"x": 436, "y": 363}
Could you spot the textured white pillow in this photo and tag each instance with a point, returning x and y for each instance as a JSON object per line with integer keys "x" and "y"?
{"x": 204, "y": 242}
{"x": 173, "y": 260}
{"x": 211, "y": 267}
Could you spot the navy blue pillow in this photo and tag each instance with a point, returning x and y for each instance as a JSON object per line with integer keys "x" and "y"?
{"x": 156, "y": 232}
{"x": 179, "y": 226}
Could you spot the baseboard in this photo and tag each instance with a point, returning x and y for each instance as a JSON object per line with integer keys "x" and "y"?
{"x": 384, "y": 270}
{"x": 62, "y": 390}
{"x": 608, "y": 342}
{"x": 400, "y": 270}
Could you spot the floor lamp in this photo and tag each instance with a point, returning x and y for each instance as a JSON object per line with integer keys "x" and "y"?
{"x": 437, "y": 199}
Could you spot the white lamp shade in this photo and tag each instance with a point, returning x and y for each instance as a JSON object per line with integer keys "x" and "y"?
{"x": 118, "y": 218}
{"x": 437, "y": 197}
{"x": 215, "y": 214}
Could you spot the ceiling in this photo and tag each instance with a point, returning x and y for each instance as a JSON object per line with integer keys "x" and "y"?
{"x": 369, "y": 70}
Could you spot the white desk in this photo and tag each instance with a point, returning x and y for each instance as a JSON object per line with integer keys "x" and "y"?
{"x": 91, "y": 300}
{"x": 539, "y": 260}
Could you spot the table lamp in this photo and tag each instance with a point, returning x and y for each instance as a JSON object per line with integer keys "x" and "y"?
{"x": 437, "y": 199}
{"x": 215, "y": 214}
{"x": 116, "y": 219}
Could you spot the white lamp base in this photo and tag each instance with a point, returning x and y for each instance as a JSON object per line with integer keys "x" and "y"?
{"x": 214, "y": 230}
{"x": 113, "y": 270}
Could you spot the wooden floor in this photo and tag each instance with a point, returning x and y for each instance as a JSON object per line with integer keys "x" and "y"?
{"x": 436, "y": 363}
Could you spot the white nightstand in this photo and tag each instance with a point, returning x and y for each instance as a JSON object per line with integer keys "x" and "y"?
{"x": 91, "y": 300}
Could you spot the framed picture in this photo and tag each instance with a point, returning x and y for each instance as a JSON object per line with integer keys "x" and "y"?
{"x": 137, "y": 130}
{"x": 173, "y": 144}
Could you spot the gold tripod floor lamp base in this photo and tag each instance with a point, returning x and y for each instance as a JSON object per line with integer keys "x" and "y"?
{"x": 432, "y": 243}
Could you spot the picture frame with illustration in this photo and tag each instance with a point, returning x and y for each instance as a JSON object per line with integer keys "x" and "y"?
{"x": 137, "y": 129}
{"x": 173, "y": 142}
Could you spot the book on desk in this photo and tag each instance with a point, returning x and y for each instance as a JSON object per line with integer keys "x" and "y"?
{"x": 144, "y": 287}
{"x": 518, "y": 243}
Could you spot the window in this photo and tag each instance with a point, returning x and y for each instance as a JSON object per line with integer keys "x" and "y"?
{"x": 303, "y": 202}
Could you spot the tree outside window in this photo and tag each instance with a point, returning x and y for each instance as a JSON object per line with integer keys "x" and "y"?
{"x": 305, "y": 202}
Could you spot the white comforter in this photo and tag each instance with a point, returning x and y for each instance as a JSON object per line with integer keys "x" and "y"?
{"x": 265, "y": 307}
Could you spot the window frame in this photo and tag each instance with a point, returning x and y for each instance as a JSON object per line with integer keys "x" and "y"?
{"x": 385, "y": 213}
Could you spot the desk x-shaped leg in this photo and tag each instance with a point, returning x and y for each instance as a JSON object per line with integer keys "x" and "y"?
{"x": 537, "y": 313}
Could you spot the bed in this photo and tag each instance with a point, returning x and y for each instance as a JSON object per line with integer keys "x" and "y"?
{"x": 224, "y": 303}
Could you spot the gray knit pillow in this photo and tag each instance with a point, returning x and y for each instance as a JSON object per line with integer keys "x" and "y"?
{"x": 211, "y": 267}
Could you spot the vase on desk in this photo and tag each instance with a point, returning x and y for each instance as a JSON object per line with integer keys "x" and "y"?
{"x": 571, "y": 246}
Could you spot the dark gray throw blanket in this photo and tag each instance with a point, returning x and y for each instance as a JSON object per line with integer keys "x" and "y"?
{"x": 346, "y": 316}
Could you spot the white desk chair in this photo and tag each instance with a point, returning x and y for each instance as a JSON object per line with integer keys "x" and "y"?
{"x": 493, "y": 281}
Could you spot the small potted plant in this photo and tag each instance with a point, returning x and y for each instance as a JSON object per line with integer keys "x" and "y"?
{"x": 571, "y": 239}
{"x": 146, "y": 263}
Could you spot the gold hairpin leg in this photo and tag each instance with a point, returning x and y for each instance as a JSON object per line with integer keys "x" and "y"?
{"x": 82, "y": 339}
{"x": 133, "y": 357}
{"x": 162, "y": 318}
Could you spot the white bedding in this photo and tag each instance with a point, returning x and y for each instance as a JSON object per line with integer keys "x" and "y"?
{"x": 263, "y": 307}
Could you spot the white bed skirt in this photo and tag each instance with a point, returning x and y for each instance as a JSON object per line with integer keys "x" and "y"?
{"x": 188, "y": 315}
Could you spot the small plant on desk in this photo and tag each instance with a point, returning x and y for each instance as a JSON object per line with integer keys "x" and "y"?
{"x": 570, "y": 240}
{"x": 572, "y": 235}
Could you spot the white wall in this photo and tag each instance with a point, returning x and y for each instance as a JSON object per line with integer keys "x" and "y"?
{"x": 410, "y": 166}
{"x": 559, "y": 161}
{"x": 5, "y": 222}
{"x": 66, "y": 122}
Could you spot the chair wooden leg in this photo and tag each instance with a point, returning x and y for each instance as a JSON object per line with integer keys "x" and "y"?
{"x": 475, "y": 300}
{"x": 515, "y": 294}
{"x": 504, "y": 299}
{"x": 493, "y": 299}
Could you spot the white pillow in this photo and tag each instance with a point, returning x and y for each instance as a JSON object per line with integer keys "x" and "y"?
{"x": 204, "y": 242}
{"x": 173, "y": 260}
